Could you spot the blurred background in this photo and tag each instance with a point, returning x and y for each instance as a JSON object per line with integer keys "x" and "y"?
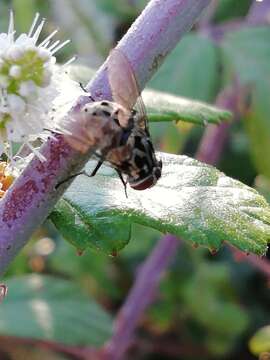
{"x": 209, "y": 306}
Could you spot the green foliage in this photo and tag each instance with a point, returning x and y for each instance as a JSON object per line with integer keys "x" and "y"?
{"x": 202, "y": 205}
{"x": 182, "y": 72}
{"x": 216, "y": 309}
{"x": 200, "y": 298}
{"x": 121, "y": 8}
{"x": 53, "y": 309}
{"x": 229, "y": 9}
{"x": 98, "y": 273}
{"x": 247, "y": 54}
{"x": 24, "y": 18}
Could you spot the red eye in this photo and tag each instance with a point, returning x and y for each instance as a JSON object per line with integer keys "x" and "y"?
{"x": 145, "y": 184}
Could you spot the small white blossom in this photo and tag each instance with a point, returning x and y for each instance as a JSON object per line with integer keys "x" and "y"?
{"x": 30, "y": 85}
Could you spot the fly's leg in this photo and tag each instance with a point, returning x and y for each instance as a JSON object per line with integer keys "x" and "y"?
{"x": 84, "y": 89}
{"x": 93, "y": 173}
{"x": 123, "y": 181}
{"x": 69, "y": 178}
{"x": 118, "y": 172}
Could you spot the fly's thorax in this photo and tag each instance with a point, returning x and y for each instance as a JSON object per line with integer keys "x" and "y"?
{"x": 95, "y": 125}
{"x": 108, "y": 109}
{"x": 100, "y": 108}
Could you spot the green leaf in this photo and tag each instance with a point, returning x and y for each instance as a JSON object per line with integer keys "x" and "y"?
{"x": 120, "y": 9}
{"x": 192, "y": 200}
{"x": 228, "y": 9}
{"x": 166, "y": 107}
{"x": 223, "y": 316}
{"x": 246, "y": 53}
{"x": 95, "y": 270}
{"x": 46, "y": 308}
{"x": 191, "y": 69}
{"x": 214, "y": 308}
{"x": 260, "y": 342}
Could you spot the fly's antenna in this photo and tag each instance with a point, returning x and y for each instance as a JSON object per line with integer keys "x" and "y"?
{"x": 84, "y": 89}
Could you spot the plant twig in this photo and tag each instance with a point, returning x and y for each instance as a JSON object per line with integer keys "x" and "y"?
{"x": 31, "y": 198}
{"x": 259, "y": 13}
{"x": 206, "y": 18}
{"x": 140, "y": 296}
{"x": 215, "y": 137}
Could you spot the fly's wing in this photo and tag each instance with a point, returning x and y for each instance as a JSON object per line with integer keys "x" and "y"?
{"x": 124, "y": 87}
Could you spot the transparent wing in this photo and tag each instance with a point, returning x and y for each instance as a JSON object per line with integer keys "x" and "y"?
{"x": 142, "y": 118}
{"x": 124, "y": 87}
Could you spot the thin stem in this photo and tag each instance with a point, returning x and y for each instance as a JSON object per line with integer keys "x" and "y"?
{"x": 235, "y": 99}
{"x": 140, "y": 296}
{"x": 206, "y": 19}
{"x": 259, "y": 13}
{"x": 215, "y": 137}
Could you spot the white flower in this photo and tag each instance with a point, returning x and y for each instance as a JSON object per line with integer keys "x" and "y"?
{"x": 30, "y": 84}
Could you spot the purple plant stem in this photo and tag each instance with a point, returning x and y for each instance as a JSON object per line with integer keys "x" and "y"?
{"x": 259, "y": 13}
{"x": 31, "y": 198}
{"x": 206, "y": 19}
{"x": 215, "y": 137}
{"x": 140, "y": 296}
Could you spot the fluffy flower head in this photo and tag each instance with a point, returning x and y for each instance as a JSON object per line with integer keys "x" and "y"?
{"x": 29, "y": 84}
